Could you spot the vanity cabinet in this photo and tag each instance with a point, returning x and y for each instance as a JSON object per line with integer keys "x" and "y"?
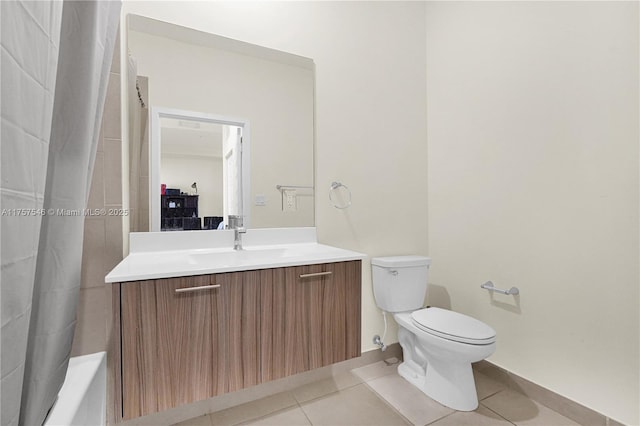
{"x": 181, "y": 340}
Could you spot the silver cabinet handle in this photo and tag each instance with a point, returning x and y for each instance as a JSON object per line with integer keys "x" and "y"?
{"x": 203, "y": 287}
{"x": 317, "y": 274}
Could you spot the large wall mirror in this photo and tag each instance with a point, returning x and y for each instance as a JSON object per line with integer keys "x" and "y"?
{"x": 193, "y": 97}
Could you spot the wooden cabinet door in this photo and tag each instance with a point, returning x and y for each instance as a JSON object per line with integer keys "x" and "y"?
{"x": 333, "y": 297}
{"x": 187, "y": 339}
{"x": 173, "y": 343}
{"x": 312, "y": 317}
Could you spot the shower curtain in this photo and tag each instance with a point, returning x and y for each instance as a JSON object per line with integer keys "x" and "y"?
{"x": 55, "y": 66}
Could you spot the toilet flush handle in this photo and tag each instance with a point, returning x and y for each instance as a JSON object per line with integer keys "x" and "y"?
{"x": 393, "y": 272}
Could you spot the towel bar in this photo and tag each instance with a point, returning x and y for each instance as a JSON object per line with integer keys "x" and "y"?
{"x": 285, "y": 187}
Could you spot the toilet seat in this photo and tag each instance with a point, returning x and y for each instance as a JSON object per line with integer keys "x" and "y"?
{"x": 453, "y": 326}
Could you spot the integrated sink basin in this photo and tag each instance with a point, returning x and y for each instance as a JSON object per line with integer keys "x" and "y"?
{"x": 258, "y": 255}
{"x": 237, "y": 257}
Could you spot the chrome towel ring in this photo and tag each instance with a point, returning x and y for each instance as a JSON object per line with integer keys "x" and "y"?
{"x": 337, "y": 198}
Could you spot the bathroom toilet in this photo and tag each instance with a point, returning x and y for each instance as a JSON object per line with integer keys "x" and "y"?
{"x": 438, "y": 345}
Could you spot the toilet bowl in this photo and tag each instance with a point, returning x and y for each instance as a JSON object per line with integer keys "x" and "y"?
{"x": 439, "y": 364}
{"x": 438, "y": 345}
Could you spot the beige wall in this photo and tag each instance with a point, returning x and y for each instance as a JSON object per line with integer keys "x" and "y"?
{"x": 370, "y": 112}
{"x": 102, "y": 244}
{"x": 533, "y": 182}
{"x": 180, "y": 171}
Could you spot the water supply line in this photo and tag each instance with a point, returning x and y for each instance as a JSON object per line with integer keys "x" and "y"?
{"x": 380, "y": 341}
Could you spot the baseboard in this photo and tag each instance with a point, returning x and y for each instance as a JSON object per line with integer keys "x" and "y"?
{"x": 568, "y": 408}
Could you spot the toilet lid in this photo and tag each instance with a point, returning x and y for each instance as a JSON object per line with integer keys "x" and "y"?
{"x": 453, "y": 326}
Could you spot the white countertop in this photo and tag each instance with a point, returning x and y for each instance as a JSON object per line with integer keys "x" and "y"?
{"x": 150, "y": 261}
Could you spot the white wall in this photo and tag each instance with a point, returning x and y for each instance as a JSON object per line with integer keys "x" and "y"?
{"x": 533, "y": 182}
{"x": 370, "y": 112}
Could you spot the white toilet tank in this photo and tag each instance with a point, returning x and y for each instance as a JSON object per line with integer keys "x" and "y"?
{"x": 400, "y": 282}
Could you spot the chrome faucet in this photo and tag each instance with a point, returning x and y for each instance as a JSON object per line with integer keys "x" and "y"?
{"x": 237, "y": 238}
{"x": 236, "y": 223}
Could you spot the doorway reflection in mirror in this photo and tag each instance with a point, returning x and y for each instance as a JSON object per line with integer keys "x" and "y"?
{"x": 200, "y": 166}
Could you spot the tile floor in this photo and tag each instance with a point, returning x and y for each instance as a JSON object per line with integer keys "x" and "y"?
{"x": 376, "y": 395}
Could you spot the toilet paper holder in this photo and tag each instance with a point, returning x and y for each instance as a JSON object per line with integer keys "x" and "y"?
{"x": 489, "y": 286}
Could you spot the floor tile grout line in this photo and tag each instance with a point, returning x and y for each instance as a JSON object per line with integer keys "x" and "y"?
{"x": 529, "y": 398}
{"x": 489, "y": 396}
{"x": 387, "y": 403}
{"x": 253, "y": 419}
{"x": 274, "y": 413}
{"x": 443, "y": 417}
{"x": 327, "y": 394}
{"x": 384, "y": 401}
{"x": 305, "y": 413}
{"x": 524, "y": 394}
{"x": 538, "y": 402}
{"x": 495, "y": 412}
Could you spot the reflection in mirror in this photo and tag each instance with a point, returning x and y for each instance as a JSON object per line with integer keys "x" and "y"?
{"x": 191, "y": 153}
{"x": 198, "y": 164}
{"x": 189, "y": 70}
